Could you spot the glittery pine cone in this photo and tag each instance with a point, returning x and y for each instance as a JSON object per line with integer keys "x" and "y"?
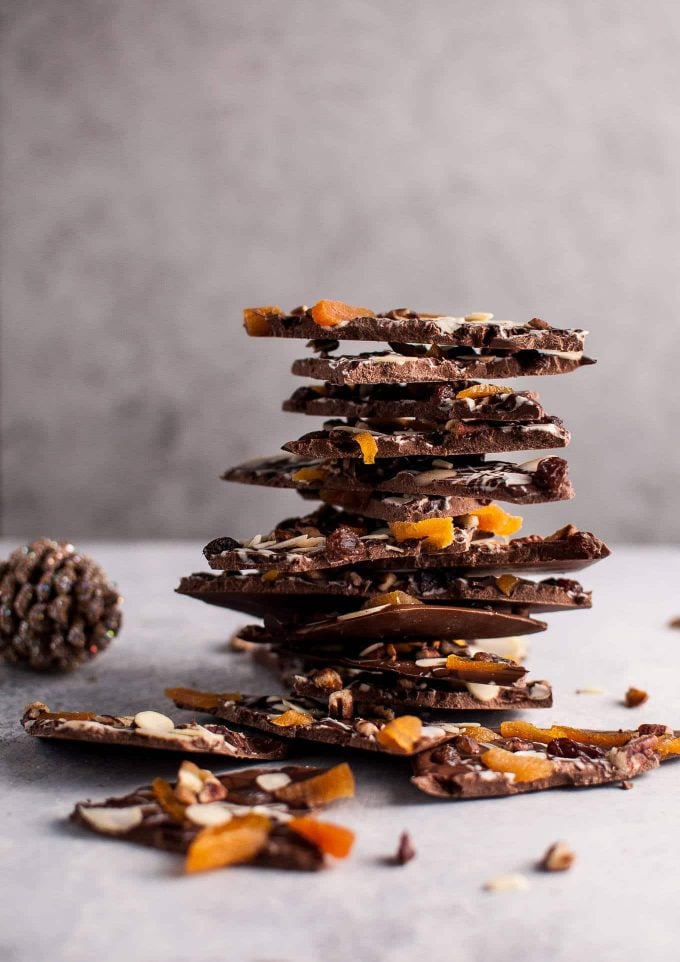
{"x": 57, "y": 609}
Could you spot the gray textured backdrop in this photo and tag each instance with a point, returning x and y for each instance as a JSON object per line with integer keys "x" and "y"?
{"x": 166, "y": 163}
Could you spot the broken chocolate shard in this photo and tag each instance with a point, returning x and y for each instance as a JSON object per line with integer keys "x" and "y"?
{"x": 389, "y": 367}
{"x": 432, "y": 402}
{"x": 146, "y": 817}
{"x": 403, "y": 438}
{"x": 160, "y": 733}
{"x": 306, "y": 720}
{"x": 532, "y": 482}
{"x": 405, "y": 325}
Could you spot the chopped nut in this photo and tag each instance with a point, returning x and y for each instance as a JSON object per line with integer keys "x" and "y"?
{"x": 674, "y": 623}
{"x": 405, "y": 850}
{"x": 327, "y": 679}
{"x": 341, "y": 704}
{"x": 479, "y": 317}
{"x": 591, "y": 690}
{"x": 538, "y": 324}
{"x": 507, "y": 883}
{"x": 626, "y": 785}
{"x": 558, "y": 858}
{"x": 272, "y": 781}
{"x": 367, "y": 729}
{"x": 212, "y": 813}
{"x": 112, "y": 821}
{"x": 154, "y": 721}
{"x": 562, "y": 533}
{"x": 196, "y": 784}
{"x": 635, "y": 697}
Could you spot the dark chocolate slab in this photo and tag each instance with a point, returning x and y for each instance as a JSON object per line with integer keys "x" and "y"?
{"x": 434, "y": 402}
{"x": 138, "y": 817}
{"x": 458, "y": 769}
{"x": 389, "y": 367}
{"x": 338, "y": 438}
{"x": 403, "y": 324}
{"x": 189, "y": 737}
{"x": 339, "y": 589}
{"x": 255, "y": 711}
{"x": 532, "y": 482}
{"x": 399, "y": 507}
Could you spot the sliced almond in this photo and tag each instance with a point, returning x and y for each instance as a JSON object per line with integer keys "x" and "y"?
{"x": 271, "y": 781}
{"x": 153, "y": 721}
{"x": 113, "y": 821}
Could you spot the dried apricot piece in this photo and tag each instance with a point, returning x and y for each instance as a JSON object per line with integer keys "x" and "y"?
{"x": 292, "y": 719}
{"x": 255, "y": 319}
{"x": 392, "y": 598}
{"x": 191, "y": 698}
{"x": 479, "y": 733}
{"x": 167, "y": 799}
{"x": 336, "y": 313}
{"x": 669, "y": 746}
{"x": 524, "y": 729}
{"x": 67, "y": 715}
{"x": 602, "y": 739}
{"x": 495, "y": 520}
{"x": 507, "y": 584}
{"x": 525, "y": 768}
{"x": 635, "y": 697}
{"x": 337, "y": 782}
{"x": 239, "y": 840}
{"x": 271, "y": 575}
{"x": 335, "y": 840}
{"x": 367, "y": 445}
{"x": 482, "y": 390}
{"x": 309, "y": 475}
{"x": 437, "y": 532}
{"x": 456, "y": 663}
{"x": 400, "y": 734}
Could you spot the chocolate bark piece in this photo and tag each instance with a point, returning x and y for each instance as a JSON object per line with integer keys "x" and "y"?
{"x": 328, "y": 539}
{"x": 389, "y": 367}
{"x": 188, "y": 737}
{"x": 138, "y": 817}
{"x": 532, "y": 482}
{"x": 406, "y": 621}
{"x": 369, "y": 690}
{"x": 460, "y": 770}
{"x": 339, "y": 589}
{"x": 353, "y": 731}
{"x": 338, "y": 439}
{"x": 404, "y": 324}
{"x": 433, "y": 402}
{"x": 399, "y": 507}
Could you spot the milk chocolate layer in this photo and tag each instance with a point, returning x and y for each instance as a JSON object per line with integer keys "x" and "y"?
{"x": 188, "y": 737}
{"x": 462, "y": 769}
{"x": 260, "y": 712}
{"x": 389, "y": 367}
{"x": 404, "y": 324}
{"x": 532, "y": 482}
{"x": 434, "y": 402}
{"x": 338, "y": 439}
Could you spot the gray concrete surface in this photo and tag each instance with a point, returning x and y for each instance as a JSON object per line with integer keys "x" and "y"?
{"x": 166, "y": 163}
{"x": 68, "y": 896}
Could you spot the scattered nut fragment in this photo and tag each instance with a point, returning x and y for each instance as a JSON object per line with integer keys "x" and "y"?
{"x": 341, "y": 704}
{"x": 196, "y": 784}
{"x": 558, "y": 858}
{"x": 507, "y": 883}
{"x": 154, "y": 721}
{"x": 113, "y": 821}
{"x": 236, "y": 643}
{"x": 271, "y": 781}
{"x": 626, "y": 785}
{"x": 327, "y": 679}
{"x": 478, "y": 316}
{"x": 674, "y": 623}
{"x": 635, "y": 697}
{"x": 405, "y": 850}
{"x": 591, "y": 690}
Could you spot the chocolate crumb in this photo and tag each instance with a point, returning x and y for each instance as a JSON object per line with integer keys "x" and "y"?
{"x": 558, "y": 858}
{"x": 635, "y": 697}
{"x": 674, "y": 623}
{"x": 405, "y": 851}
{"x": 626, "y": 785}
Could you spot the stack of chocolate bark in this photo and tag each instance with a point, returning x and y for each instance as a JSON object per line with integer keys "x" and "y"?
{"x": 405, "y": 592}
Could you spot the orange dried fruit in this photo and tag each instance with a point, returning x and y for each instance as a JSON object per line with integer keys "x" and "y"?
{"x": 271, "y": 575}
{"x": 482, "y": 390}
{"x": 336, "y": 313}
{"x": 292, "y": 719}
{"x": 669, "y": 746}
{"x": 479, "y": 733}
{"x": 167, "y": 799}
{"x": 335, "y": 840}
{"x": 322, "y": 789}
{"x": 456, "y": 663}
{"x": 437, "y": 532}
{"x": 255, "y": 319}
{"x": 205, "y": 700}
{"x": 507, "y": 584}
{"x": 525, "y": 768}
{"x": 635, "y": 697}
{"x": 67, "y": 715}
{"x": 391, "y": 598}
{"x": 309, "y": 475}
{"x": 495, "y": 520}
{"x": 400, "y": 734}
{"x": 602, "y": 739}
{"x": 368, "y": 446}
{"x": 237, "y": 841}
